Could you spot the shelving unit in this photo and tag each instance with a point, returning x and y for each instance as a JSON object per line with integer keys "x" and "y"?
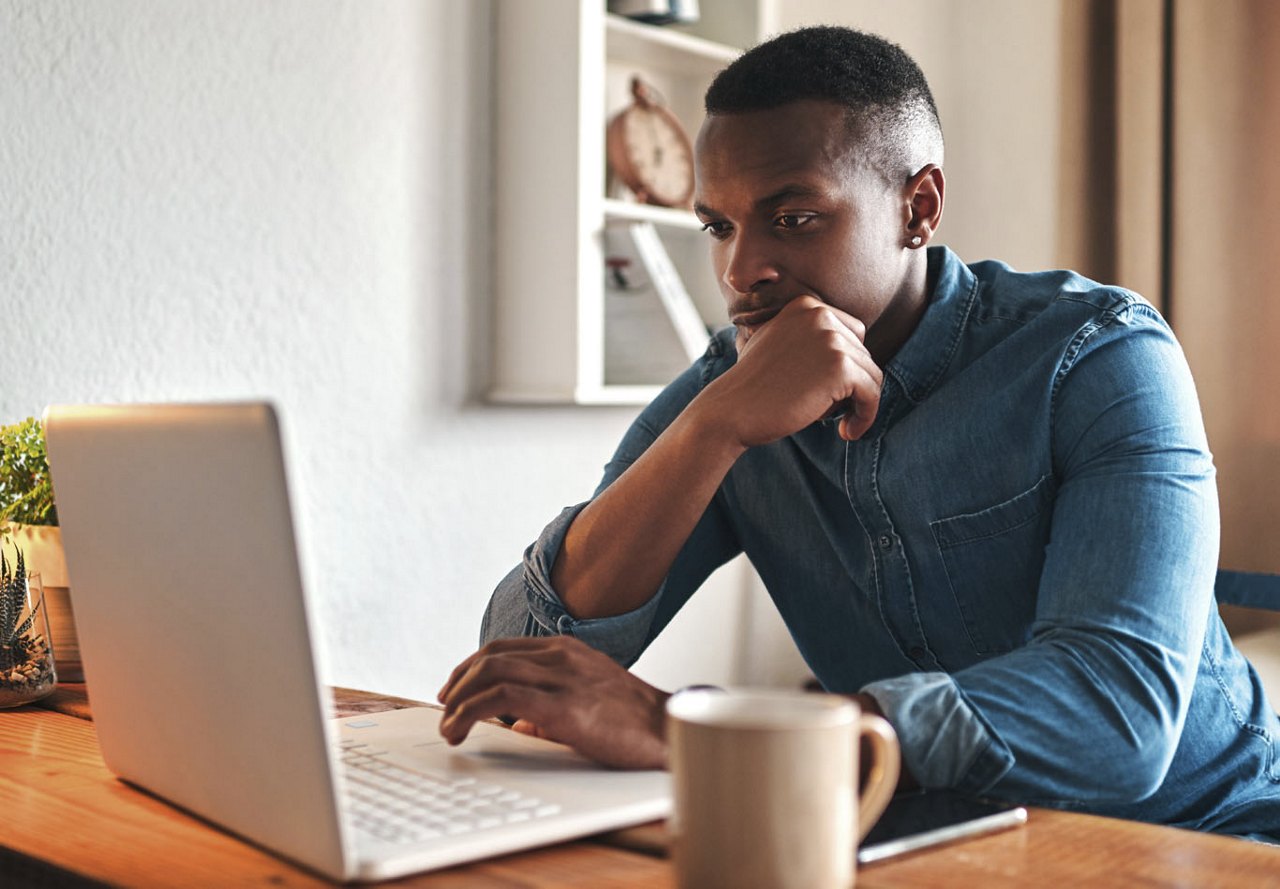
{"x": 665, "y": 49}
{"x": 629, "y": 211}
{"x": 561, "y": 71}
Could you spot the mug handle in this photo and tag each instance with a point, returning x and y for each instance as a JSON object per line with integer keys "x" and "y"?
{"x": 882, "y": 780}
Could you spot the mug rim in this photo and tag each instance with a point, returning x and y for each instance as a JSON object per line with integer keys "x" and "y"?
{"x": 763, "y": 709}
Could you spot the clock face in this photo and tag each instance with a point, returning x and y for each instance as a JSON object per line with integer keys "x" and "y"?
{"x": 653, "y": 157}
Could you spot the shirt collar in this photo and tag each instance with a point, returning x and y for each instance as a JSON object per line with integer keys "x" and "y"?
{"x": 923, "y": 359}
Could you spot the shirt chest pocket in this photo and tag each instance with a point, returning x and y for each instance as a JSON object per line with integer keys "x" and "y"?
{"x": 993, "y": 559}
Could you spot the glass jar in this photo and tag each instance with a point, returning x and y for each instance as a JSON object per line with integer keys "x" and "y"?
{"x": 26, "y": 652}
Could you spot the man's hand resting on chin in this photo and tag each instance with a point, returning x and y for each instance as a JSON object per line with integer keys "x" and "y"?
{"x": 559, "y": 688}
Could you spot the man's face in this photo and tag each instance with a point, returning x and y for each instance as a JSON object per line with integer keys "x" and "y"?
{"x": 791, "y": 212}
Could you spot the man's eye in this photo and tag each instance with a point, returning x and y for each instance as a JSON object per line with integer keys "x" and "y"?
{"x": 716, "y": 229}
{"x": 792, "y": 220}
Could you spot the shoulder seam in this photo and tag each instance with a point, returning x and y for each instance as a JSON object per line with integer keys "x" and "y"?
{"x": 1126, "y": 303}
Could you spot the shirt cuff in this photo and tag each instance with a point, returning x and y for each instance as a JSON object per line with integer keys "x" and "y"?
{"x": 622, "y": 636}
{"x": 945, "y": 742}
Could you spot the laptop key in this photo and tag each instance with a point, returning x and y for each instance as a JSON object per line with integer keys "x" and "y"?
{"x": 400, "y": 805}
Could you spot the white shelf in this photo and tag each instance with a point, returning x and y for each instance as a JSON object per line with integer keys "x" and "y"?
{"x": 561, "y": 69}
{"x": 595, "y": 396}
{"x": 628, "y": 41}
{"x": 629, "y": 211}
{"x": 618, "y": 396}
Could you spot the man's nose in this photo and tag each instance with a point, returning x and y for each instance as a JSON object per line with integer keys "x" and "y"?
{"x": 749, "y": 265}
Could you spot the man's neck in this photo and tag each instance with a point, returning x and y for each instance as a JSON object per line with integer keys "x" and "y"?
{"x": 902, "y": 315}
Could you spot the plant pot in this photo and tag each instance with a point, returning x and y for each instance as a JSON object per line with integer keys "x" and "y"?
{"x": 42, "y": 547}
{"x": 26, "y": 658}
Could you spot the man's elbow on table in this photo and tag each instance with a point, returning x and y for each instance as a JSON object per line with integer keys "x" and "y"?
{"x": 1123, "y": 764}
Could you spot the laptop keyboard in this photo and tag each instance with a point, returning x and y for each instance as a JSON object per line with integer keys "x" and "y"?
{"x": 400, "y": 805}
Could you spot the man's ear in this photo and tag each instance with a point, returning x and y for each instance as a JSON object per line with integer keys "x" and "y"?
{"x": 923, "y": 198}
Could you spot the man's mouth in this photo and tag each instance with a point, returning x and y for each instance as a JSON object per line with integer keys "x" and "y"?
{"x": 753, "y": 319}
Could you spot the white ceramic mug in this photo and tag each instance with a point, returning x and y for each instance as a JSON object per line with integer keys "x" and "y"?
{"x": 766, "y": 787}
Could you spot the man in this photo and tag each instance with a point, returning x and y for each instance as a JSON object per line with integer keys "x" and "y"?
{"x": 982, "y": 501}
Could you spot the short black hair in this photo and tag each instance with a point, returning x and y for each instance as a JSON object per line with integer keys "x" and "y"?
{"x": 891, "y": 108}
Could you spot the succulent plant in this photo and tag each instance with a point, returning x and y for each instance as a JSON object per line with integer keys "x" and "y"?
{"x": 15, "y": 646}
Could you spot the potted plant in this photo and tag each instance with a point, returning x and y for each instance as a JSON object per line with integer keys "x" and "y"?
{"x": 29, "y": 518}
{"x": 26, "y": 659}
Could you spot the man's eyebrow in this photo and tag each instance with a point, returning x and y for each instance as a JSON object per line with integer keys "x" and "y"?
{"x": 786, "y": 193}
{"x": 790, "y": 192}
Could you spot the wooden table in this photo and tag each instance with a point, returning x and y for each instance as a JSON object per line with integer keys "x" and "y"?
{"x": 65, "y": 821}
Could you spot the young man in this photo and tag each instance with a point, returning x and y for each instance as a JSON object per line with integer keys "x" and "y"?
{"x": 982, "y": 500}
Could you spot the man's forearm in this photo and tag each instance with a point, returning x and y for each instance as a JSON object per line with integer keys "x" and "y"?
{"x": 621, "y": 546}
{"x": 792, "y": 371}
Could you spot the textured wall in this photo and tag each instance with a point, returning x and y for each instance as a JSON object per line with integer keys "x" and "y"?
{"x": 288, "y": 200}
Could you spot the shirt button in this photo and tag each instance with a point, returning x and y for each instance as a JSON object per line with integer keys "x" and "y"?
{"x": 886, "y": 542}
{"x": 916, "y": 652}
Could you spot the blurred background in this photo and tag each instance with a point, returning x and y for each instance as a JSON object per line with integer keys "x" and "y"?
{"x": 298, "y": 201}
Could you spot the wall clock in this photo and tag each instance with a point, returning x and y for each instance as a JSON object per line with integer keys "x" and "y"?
{"x": 649, "y": 151}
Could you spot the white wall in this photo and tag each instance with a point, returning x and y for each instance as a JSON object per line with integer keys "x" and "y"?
{"x": 214, "y": 199}
{"x": 222, "y": 199}
{"x": 288, "y": 200}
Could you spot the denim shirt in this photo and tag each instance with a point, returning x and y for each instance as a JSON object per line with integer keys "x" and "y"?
{"x": 1016, "y": 560}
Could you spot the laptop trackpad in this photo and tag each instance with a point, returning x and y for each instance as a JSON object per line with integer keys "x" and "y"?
{"x": 501, "y": 747}
{"x": 496, "y": 754}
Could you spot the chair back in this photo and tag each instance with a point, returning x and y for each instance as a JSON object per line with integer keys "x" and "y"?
{"x": 1248, "y": 589}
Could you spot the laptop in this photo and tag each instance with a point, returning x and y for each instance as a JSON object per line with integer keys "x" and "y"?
{"x": 202, "y": 666}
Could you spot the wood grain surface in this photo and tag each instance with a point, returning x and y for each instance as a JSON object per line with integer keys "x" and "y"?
{"x": 63, "y": 808}
{"x": 69, "y": 822}
{"x": 1054, "y": 849}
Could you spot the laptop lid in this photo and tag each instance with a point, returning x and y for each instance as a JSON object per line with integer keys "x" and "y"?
{"x": 199, "y": 658}
{"x": 190, "y": 608}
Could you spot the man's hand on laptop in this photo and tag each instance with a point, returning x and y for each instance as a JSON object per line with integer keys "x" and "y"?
{"x": 559, "y": 688}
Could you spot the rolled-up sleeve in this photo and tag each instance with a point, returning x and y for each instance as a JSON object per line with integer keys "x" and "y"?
{"x": 1092, "y": 708}
{"x": 945, "y": 742}
{"x": 525, "y": 603}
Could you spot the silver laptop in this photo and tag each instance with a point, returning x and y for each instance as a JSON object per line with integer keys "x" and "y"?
{"x": 201, "y": 664}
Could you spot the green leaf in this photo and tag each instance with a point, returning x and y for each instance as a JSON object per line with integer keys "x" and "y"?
{"x": 26, "y": 488}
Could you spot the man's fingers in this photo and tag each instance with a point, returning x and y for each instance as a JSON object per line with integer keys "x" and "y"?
{"x": 874, "y": 372}
{"x": 534, "y": 704}
{"x": 854, "y": 325}
{"x": 526, "y": 727}
{"x": 809, "y": 303}
{"x": 502, "y": 669}
{"x": 508, "y": 676}
{"x": 851, "y": 332}
{"x": 862, "y": 405}
{"x": 853, "y": 426}
{"x": 559, "y": 689}
{"x": 457, "y": 674}
{"x": 540, "y": 648}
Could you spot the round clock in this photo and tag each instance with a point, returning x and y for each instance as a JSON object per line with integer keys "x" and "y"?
{"x": 649, "y": 151}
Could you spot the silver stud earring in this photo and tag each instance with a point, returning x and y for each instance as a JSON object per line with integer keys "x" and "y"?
{"x": 916, "y": 241}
